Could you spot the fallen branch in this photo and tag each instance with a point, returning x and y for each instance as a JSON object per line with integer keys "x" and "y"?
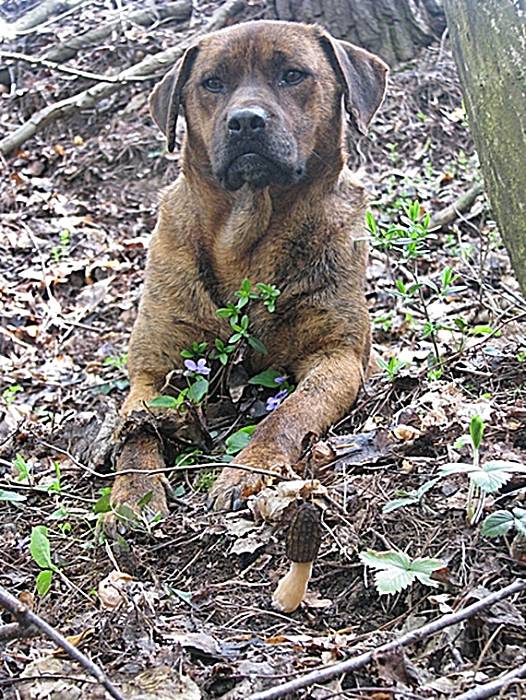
{"x": 151, "y": 65}
{"x": 486, "y": 690}
{"x": 324, "y": 674}
{"x": 27, "y": 618}
{"x": 179, "y": 10}
{"x": 38, "y": 16}
{"x": 450, "y": 213}
{"x": 75, "y": 72}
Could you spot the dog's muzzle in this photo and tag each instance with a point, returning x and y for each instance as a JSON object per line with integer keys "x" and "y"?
{"x": 254, "y": 151}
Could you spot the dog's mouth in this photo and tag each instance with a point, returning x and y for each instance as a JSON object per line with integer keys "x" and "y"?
{"x": 258, "y": 171}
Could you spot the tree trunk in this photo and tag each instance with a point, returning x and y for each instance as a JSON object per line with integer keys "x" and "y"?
{"x": 489, "y": 45}
{"x": 393, "y": 29}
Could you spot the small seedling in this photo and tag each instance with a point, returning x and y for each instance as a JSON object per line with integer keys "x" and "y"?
{"x": 408, "y": 498}
{"x": 502, "y": 521}
{"x": 10, "y": 392}
{"x": 61, "y": 250}
{"x": 117, "y": 361}
{"x": 40, "y": 550}
{"x": 484, "y": 478}
{"x": 396, "y": 570}
{"x": 22, "y": 469}
{"x": 392, "y": 367}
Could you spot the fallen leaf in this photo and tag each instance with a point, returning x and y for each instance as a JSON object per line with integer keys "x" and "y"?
{"x": 112, "y": 589}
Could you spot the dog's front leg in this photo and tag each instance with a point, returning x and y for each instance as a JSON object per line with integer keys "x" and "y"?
{"x": 328, "y": 385}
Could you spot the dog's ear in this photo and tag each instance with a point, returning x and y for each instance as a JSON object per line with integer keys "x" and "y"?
{"x": 362, "y": 75}
{"x": 165, "y": 100}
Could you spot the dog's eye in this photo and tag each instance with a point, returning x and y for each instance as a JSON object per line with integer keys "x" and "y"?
{"x": 213, "y": 84}
{"x": 292, "y": 77}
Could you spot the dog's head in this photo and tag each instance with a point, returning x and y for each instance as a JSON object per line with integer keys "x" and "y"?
{"x": 263, "y": 100}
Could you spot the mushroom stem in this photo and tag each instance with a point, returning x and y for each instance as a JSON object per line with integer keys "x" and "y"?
{"x": 292, "y": 587}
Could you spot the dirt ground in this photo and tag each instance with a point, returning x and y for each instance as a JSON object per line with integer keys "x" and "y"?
{"x": 78, "y": 204}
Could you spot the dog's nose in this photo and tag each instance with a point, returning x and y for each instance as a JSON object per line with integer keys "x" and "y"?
{"x": 247, "y": 120}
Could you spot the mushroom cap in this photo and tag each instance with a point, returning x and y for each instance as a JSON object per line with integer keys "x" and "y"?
{"x": 304, "y": 535}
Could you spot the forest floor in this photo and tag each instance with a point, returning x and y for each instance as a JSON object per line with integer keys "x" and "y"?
{"x": 78, "y": 205}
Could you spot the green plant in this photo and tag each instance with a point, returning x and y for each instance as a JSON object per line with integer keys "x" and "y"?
{"x": 195, "y": 358}
{"x": 61, "y": 250}
{"x": 40, "y": 550}
{"x": 55, "y": 486}
{"x": 22, "y": 469}
{"x": 392, "y": 367}
{"x": 396, "y": 570}
{"x": 239, "y": 440}
{"x": 408, "y": 498}
{"x": 483, "y": 478}
{"x": 117, "y": 361}
{"x": 10, "y": 392}
{"x": 502, "y": 521}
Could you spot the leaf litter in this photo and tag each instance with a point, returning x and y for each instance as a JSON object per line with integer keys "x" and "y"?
{"x": 186, "y": 613}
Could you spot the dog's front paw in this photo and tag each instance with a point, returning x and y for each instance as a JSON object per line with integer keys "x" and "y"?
{"x": 232, "y": 488}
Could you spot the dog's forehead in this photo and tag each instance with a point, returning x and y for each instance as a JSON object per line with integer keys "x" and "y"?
{"x": 261, "y": 43}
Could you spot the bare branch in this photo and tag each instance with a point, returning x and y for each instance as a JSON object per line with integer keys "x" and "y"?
{"x": 37, "y": 17}
{"x": 179, "y": 10}
{"x": 321, "y": 675}
{"x": 149, "y": 66}
{"x": 486, "y": 690}
{"x": 28, "y": 618}
{"x": 451, "y": 212}
{"x": 76, "y": 72}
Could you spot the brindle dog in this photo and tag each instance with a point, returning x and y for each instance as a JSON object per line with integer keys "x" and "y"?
{"x": 264, "y": 193}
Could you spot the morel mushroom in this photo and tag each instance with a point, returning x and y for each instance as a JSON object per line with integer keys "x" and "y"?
{"x": 303, "y": 542}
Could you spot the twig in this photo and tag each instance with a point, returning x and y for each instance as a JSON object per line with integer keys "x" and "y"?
{"x": 15, "y": 630}
{"x": 88, "y": 98}
{"x": 28, "y": 618}
{"x": 77, "y": 72}
{"x": 164, "y": 470}
{"x": 479, "y": 692}
{"x": 321, "y": 675}
{"x": 450, "y": 213}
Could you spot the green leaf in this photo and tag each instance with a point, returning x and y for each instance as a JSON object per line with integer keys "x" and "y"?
{"x": 397, "y": 503}
{"x": 239, "y": 440}
{"x": 164, "y": 402}
{"x": 497, "y": 524}
{"x": 43, "y": 582}
{"x": 145, "y": 500}
{"x": 476, "y": 430}
{"x": 397, "y": 571}
{"x": 502, "y": 521}
{"x": 11, "y": 496}
{"x": 257, "y": 345}
{"x": 266, "y": 378}
{"x": 39, "y": 547}
{"x": 102, "y": 505}
{"x": 197, "y": 391}
{"x": 371, "y": 222}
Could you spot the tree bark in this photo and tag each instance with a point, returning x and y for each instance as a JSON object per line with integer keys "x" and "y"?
{"x": 489, "y": 45}
{"x": 393, "y": 29}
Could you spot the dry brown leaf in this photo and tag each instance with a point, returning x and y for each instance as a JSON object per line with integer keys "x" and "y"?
{"x": 112, "y": 589}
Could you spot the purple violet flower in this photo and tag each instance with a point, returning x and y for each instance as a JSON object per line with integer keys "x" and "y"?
{"x": 280, "y": 380}
{"x": 199, "y": 367}
{"x": 275, "y": 401}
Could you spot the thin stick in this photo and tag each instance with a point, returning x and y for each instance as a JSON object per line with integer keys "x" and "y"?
{"x": 479, "y": 692}
{"x": 321, "y": 675}
{"x": 75, "y": 72}
{"x": 28, "y": 618}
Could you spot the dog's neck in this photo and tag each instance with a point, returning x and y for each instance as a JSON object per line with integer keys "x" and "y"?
{"x": 234, "y": 224}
